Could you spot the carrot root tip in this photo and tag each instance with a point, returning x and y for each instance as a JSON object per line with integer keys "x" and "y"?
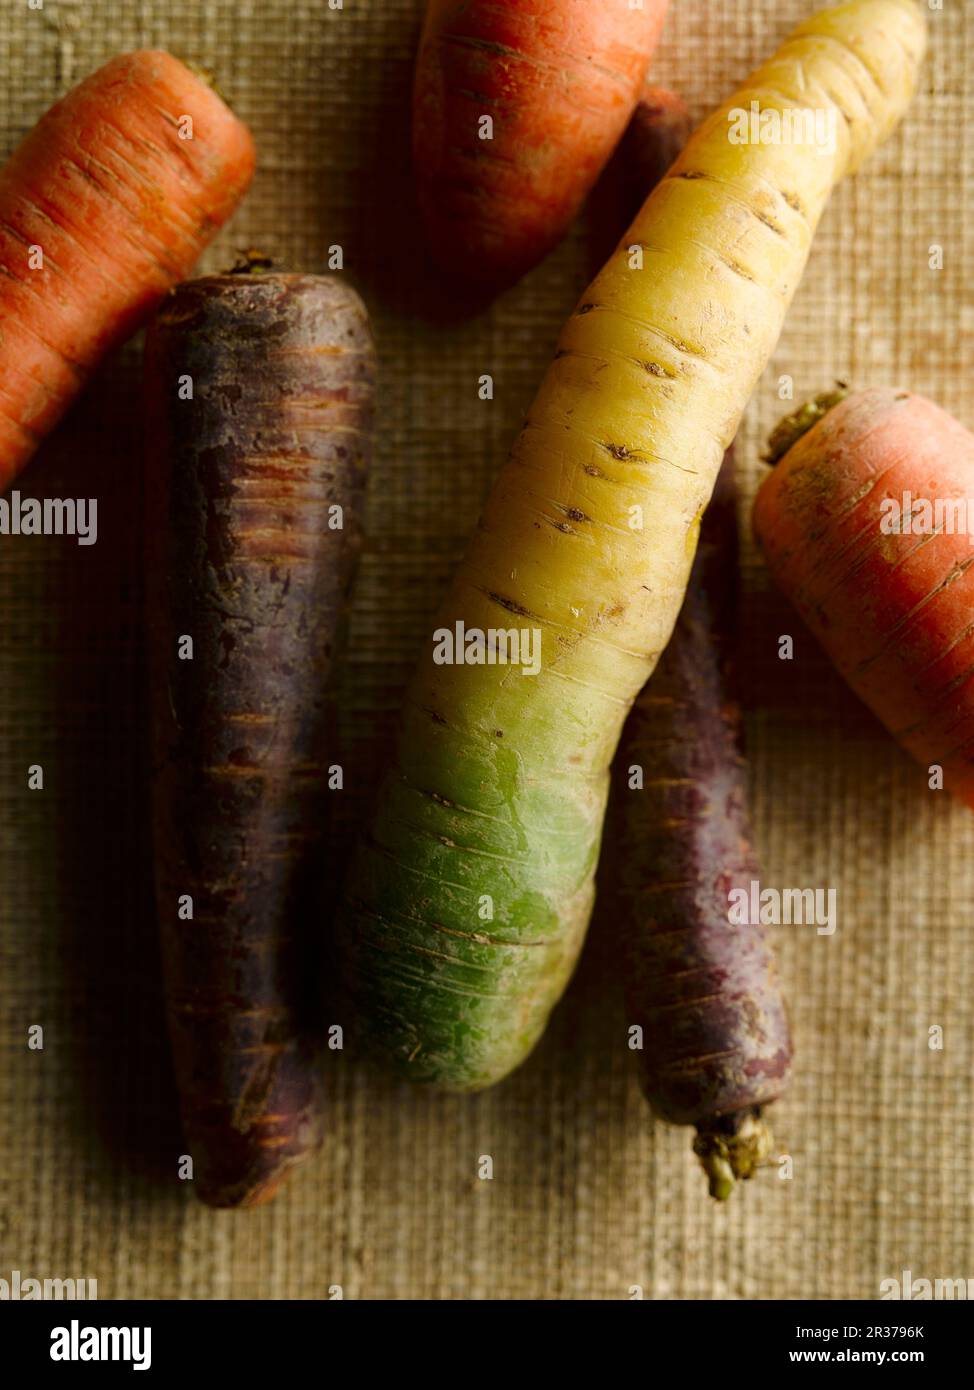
{"x": 732, "y": 1150}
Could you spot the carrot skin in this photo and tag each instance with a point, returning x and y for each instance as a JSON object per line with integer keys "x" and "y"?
{"x": 892, "y": 609}
{"x": 716, "y": 1042}
{"x": 659, "y": 128}
{"x": 120, "y": 204}
{"x": 248, "y": 563}
{"x": 559, "y": 80}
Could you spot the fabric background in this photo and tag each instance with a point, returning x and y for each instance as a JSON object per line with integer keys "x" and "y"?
{"x": 590, "y": 1196}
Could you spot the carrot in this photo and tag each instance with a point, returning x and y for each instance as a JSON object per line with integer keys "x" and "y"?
{"x": 557, "y": 81}
{"x": 715, "y": 1044}
{"x": 715, "y": 1048}
{"x": 659, "y": 128}
{"x": 657, "y": 132}
{"x": 106, "y": 203}
{"x": 864, "y": 523}
{"x": 469, "y": 899}
{"x": 258, "y": 488}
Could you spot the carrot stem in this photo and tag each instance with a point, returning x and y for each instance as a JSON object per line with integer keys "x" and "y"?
{"x": 250, "y": 262}
{"x": 789, "y": 430}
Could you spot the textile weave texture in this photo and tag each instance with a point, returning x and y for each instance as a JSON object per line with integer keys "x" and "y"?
{"x": 589, "y": 1196}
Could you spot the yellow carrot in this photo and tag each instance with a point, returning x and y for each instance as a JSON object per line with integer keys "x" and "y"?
{"x": 468, "y": 903}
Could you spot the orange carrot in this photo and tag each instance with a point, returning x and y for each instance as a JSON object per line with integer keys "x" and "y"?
{"x": 866, "y": 523}
{"x": 518, "y": 105}
{"x": 105, "y": 204}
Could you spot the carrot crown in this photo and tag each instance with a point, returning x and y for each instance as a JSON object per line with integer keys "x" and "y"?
{"x": 789, "y": 430}
{"x": 250, "y": 262}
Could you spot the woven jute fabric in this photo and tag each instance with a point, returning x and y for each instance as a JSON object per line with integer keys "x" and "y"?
{"x": 589, "y": 1197}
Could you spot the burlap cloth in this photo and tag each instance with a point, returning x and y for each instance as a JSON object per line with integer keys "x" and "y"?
{"x": 589, "y": 1197}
